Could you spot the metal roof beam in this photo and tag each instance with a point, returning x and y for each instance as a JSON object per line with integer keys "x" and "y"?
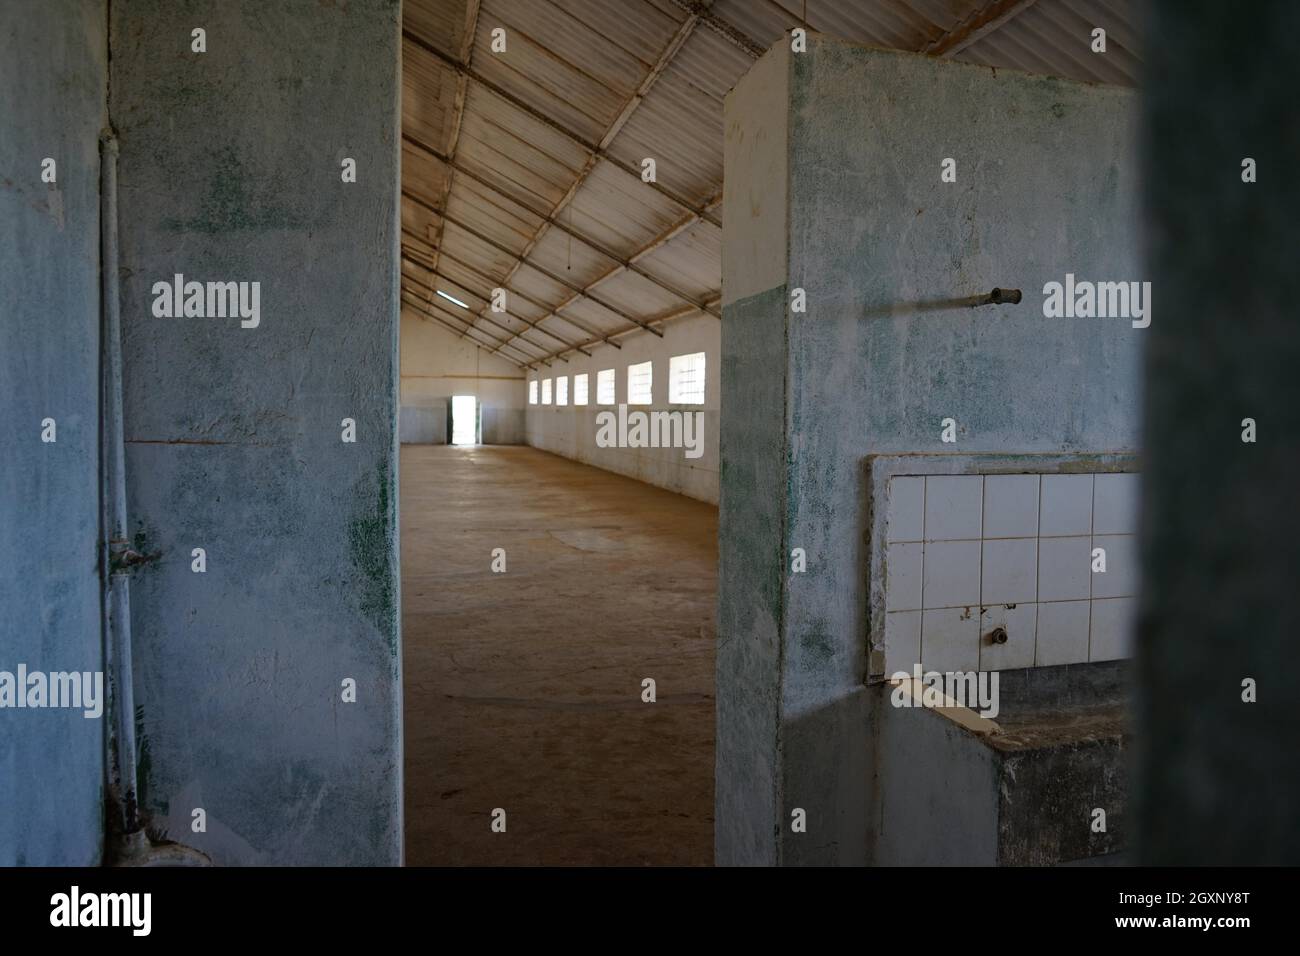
{"x": 550, "y": 220}
{"x": 668, "y": 317}
{"x": 992, "y": 16}
{"x": 528, "y": 360}
{"x": 517, "y": 318}
{"x": 548, "y": 121}
{"x": 462, "y": 89}
{"x": 432, "y": 308}
{"x": 416, "y": 305}
{"x": 560, "y": 280}
{"x": 511, "y": 334}
{"x": 709, "y": 305}
{"x": 495, "y": 284}
{"x": 732, "y": 34}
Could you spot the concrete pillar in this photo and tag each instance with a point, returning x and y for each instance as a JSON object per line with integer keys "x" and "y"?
{"x": 833, "y": 178}
{"x": 53, "y": 68}
{"x": 1219, "y": 778}
{"x": 232, "y": 170}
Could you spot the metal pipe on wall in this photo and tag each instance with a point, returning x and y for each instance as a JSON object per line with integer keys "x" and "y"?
{"x": 115, "y": 553}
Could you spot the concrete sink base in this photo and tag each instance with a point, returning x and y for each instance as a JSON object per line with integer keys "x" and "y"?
{"x": 1044, "y": 784}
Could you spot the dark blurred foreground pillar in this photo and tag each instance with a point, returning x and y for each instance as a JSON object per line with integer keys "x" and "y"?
{"x": 1219, "y": 778}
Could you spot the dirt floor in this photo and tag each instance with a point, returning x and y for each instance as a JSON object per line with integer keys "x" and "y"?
{"x": 523, "y": 689}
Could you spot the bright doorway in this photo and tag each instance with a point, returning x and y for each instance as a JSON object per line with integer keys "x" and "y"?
{"x": 464, "y": 420}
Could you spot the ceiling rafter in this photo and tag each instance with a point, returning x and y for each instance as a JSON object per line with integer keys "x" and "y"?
{"x": 429, "y": 305}
{"x": 404, "y": 255}
{"x": 518, "y": 318}
{"x": 420, "y": 307}
{"x": 723, "y": 28}
{"x": 977, "y": 24}
{"x": 584, "y": 291}
{"x": 981, "y": 22}
{"x": 528, "y": 360}
{"x": 404, "y": 289}
{"x": 992, "y": 16}
{"x": 492, "y": 322}
{"x": 494, "y": 284}
{"x": 549, "y": 220}
{"x": 433, "y": 318}
{"x": 462, "y": 89}
{"x": 656, "y": 70}
{"x": 656, "y": 320}
{"x": 558, "y": 279}
{"x": 709, "y": 306}
{"x": 557, "y": 126}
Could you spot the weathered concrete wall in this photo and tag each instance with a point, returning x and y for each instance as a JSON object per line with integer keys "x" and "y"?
{"x": 436, "y": 365}
{"x": 936, "y": 788}
{"x": 1219, "y": 779}
{"x": 424, "y": 424}
{"x": 53, "y": 69}
{"x": 1046, "y": 185}
{"x": 571, "y": 431}
{"x": 230, "y": 171}
{"x": 502, "y": 426}
{"x": 748, "y": 803}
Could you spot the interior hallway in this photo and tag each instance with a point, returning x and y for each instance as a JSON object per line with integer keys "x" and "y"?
{"x": 523, "y": 689}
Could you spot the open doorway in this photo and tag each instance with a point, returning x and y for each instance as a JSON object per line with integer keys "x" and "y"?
{"x": 464, "y": 420}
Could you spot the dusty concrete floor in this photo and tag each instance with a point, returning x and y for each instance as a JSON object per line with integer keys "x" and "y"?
{"x": 523, "y": 689}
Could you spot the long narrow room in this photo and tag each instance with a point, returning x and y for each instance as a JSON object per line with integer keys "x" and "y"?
{"x": 560, "y": 356}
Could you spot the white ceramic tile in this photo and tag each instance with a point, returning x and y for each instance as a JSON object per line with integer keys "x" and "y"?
{"x": 1066, "y": 505}
{"x": 903, "y": 639}
{"x": 903, "y": 521}
{"x": 1062, "y": 633}
{"x": 1010, "y": 506}
{"x": 903, "y": 577}
{"x": 1112, "y": 629}
{"x": 1010, "y": 571}
{"x": 952, "y": 507}
{"x": 950, "y": 639}
{"x": 1120, "y": 579}
{"x": 1012, "y": 551}
{"x": 952, "y": 574}
{"x": 1115, "y": 504}
{"x": 1064, "y": 569}
{"x": 1019, "y": 622}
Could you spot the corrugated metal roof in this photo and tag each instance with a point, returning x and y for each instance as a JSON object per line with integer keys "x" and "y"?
{"x": 682, "y": 111}
{"x": 522, "y": 169}
{"x": 1055, "y": 36}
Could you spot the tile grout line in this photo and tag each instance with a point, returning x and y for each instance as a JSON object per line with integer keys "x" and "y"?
{"x": 1092, "y": 543}
{"x": 920, "y": 627}
{"x": 979, "y": 593}
{"x": 1038, "y": 557}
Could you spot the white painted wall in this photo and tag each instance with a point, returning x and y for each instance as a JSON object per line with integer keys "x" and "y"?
{"x": 571, "y": 431}
{"x": 755, "y": 200}
{"x": 437, "y": 364}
